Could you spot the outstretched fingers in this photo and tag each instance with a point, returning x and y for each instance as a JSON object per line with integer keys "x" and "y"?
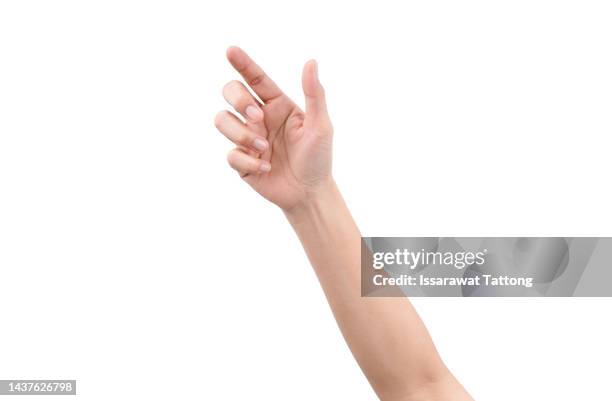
{"x": 254, "y": 76}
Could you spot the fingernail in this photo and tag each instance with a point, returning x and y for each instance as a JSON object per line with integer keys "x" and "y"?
{"x": 260, "y": 144}
{"x": 253, "y": 113}
{"x": 264, "y": 167}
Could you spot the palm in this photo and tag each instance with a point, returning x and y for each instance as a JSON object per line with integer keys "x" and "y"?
{"x": 299, "y": 149}
{"x": 290, "y": 153}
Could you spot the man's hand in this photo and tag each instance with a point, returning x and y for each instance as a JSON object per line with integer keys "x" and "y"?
{"x": 284, "y": 153}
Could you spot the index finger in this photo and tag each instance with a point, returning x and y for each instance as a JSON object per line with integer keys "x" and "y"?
{"x": 254, "y": 76}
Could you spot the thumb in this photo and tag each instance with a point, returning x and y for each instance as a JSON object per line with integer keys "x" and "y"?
{"x": 316, "y": 107}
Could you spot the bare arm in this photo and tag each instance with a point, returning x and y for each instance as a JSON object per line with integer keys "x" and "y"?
{"x": 385, "y": 335}
{"x": 291, "y": 166}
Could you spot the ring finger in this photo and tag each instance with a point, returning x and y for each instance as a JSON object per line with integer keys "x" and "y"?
{"x": 236, "y": 131}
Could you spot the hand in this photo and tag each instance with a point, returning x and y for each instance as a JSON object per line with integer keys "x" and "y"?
{"x": 285, "y": 154}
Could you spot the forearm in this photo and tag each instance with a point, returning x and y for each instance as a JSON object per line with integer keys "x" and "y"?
{"x": 386, "y": 336}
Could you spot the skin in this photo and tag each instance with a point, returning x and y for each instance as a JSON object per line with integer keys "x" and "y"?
{"x": 285, "y": 154}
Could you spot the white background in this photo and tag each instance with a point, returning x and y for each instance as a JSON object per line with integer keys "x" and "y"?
{"x": 133, "y": 259}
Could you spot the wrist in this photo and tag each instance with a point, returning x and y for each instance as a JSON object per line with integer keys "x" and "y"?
{"x": 315, "y": 201}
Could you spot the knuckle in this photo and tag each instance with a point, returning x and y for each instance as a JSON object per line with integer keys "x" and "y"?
{"x": 257, "y": 79}
{"x": 244, "y": 139}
